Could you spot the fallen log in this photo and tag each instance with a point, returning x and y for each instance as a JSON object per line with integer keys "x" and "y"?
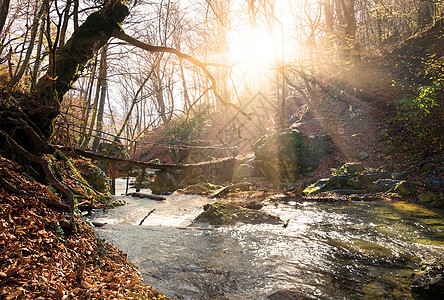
{"x": 149, "y": 196}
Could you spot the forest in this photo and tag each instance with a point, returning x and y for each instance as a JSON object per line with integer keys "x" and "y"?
{"x": 294, "y": 147}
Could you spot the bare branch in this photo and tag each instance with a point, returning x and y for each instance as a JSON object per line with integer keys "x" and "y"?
{"x": 153, "y": 49}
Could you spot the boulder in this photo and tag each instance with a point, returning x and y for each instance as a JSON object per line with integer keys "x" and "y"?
{"x": 289, "y": 155}
{"x": 95, "y": 176}
{"x": 201, "y": 189}
{"x": 363, "y": 155}
{"x": 367, "y": 178}
{"x": 328, "y": 184}
{"x": 351, "y": 169}
{"x": 428, "y": 282}
{"x": 244, "y": 171}
{"x": 432, "y": 199}
{"x": 428, "y": 198}
{"x": 164, "y": 183}
{"x": 224, "y": 213}
{"x": 405, "y": 188}
{"x": 383, "y": 185}
{"x": 434, "y": 183}
{"x": 401, "y": 175}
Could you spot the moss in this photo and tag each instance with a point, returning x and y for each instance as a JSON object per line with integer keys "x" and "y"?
{"x": 365, "y": 248}
{"x": 413, "y": 209}
{"x": 95, "y": 176}
{"x": 391, "y": 286}
{"x": 285, "y": 156}
{"x": 199, "y": 188}
{"x": 224, "y": 213}
{"x": 428, "y": 198}
{"x": 211, "y": 186}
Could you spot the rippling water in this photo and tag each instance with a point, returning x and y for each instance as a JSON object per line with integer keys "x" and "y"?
{"x": 357, "y": 250}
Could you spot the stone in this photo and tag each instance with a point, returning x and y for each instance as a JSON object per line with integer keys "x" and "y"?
{"x": 351, "y": 169}
{"x": 405, "y": 188}
{"x": 387, "y": 167}
{"x": 438, "y": 203}
{"x": 383, "y": 185}
{"x": 95, "y": 176}
{"x": 367, "y": 178}
{"x": 434, "y": 183}
{"x": 427, "y": 168}
{"x": 428, "y": 198}
{"x": 327, "y": 184}
{"x": 243, "y": 171}
{"x": 164, "y": 183}
{"x": 224, "y": 213}
{"x": 201, "y": 189}
{"x": 289, "y": 155}
{"x": 363, "y": 155}
{"x": 428, "y": 282}
{"x": 401, "y": 175}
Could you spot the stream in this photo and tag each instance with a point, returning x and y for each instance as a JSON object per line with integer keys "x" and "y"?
{"x": 347, "y": 250}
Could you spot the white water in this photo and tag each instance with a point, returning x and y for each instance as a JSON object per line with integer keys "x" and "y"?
{"x": 252, "y": 261}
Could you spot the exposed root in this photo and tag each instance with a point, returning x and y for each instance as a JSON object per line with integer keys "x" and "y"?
{"x": 44, "y": 164}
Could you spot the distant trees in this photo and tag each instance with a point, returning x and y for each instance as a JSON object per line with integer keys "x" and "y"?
{"x": 115, "y": 88}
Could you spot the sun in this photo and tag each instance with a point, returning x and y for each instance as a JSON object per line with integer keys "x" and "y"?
{"x": 253, "y": 46}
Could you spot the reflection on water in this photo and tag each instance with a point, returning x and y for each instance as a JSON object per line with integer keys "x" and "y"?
{"x": 329, "y": 251}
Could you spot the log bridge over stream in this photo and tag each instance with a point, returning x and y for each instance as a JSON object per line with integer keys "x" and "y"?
{"x": 218, "y": 169}
{"x": 221, "y": 169}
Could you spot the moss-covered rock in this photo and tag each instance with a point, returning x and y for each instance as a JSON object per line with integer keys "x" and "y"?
{"x": 405, "y": 188}
{"x": 164, "y": 183}
{"x": 351, "y": 169}
{"x": 200, "y": 189}
{"x": 243, "y": 171}
{"x": 328, "y": 184}
{"x": 383, "y": 185}
{"x": 288, "y": 155}
{"x": 224, "y": 213}
{"x": 95, "y": 176}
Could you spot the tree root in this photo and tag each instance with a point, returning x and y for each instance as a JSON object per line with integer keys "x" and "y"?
{"x": 44, "y": 164}
{"x": 12, "y": 188}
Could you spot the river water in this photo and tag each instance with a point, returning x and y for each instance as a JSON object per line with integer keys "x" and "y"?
{"x": 352, "y": 250}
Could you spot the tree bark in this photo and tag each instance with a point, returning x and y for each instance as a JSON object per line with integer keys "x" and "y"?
{"x": 103, "y": 91}
{"x": 4, "y": 9}
{"x": 71, "y": 58}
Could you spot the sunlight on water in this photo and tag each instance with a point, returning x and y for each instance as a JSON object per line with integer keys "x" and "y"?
{"x": 329, "y": 251}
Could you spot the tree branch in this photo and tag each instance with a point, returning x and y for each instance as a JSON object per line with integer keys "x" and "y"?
{"x": 203, "y": 66}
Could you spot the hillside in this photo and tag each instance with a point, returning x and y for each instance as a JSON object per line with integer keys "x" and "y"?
{"x": 389, "y": 105}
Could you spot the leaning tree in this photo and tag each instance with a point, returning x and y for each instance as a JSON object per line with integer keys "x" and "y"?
{"x": 26, "y": 120}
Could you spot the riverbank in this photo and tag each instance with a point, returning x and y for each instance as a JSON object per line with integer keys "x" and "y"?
{"x": 41, "y": 260}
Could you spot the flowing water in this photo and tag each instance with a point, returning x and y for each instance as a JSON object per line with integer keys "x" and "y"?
{"x": 353, "y": 250}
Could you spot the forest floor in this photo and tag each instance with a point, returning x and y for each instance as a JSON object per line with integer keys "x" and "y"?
{"x": 41, "y": 260}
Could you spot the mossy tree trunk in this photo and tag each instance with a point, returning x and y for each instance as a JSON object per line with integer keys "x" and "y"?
{"x": 70, "y": 59}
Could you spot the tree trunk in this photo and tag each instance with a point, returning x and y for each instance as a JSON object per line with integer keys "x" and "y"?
{"x": 94, "y": 107}
{"x": 70, "y": 59}
{"x": 34, "y": 29}
{"x": 104, "y": 90}
{"x": 36, "y": 67}
{"x": 3, "y": 14}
